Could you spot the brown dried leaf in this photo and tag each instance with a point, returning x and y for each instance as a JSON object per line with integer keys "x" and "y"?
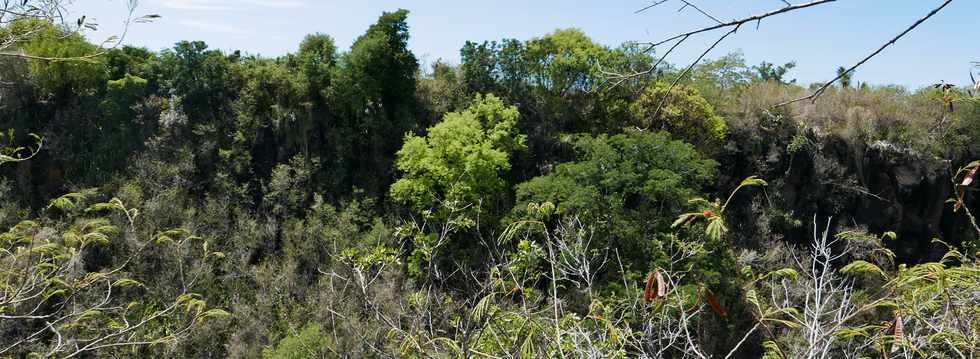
{"x": 648, "y": 292}
{"x": 713, "y": 302}
{"x": 898, "y": 331}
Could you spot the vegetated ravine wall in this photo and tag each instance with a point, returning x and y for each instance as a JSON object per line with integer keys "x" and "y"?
{"x": 857, "y": 185}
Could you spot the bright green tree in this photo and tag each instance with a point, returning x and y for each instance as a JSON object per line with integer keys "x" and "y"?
{"x": 456, "y": 172}
{"x": 561, "y": 84}
{"x": 461, "y": 160}
{"x": 310, "y": 342}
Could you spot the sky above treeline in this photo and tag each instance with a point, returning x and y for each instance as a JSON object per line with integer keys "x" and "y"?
{"x": 818, "y": 39}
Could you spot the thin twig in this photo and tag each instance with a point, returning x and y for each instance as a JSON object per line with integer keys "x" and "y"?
{"x": 744, "y": 20}
{"x": 648, "y": 7}
{"x": 689, "y": 4}
{"x": 688, "y": 69}
{"x": 813, "y": 97}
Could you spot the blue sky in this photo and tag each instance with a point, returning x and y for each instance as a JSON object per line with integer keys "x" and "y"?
{"x": 819, "y": 39}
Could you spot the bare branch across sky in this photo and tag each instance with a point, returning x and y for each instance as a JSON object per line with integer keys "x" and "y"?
{"x": 37, "y": 14}
{"x": 813, "y": 96}
{"x": 733, "y": 25}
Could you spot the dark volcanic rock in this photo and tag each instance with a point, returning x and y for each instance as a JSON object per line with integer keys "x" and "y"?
{"x": 878, "y": 187}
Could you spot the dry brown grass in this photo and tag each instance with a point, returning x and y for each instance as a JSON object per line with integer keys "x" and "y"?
{"x": 913, "y": 120}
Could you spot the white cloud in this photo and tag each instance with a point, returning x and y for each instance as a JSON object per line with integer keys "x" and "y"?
{"x": 218, "y": 5}
{"x": 213, "y": 27}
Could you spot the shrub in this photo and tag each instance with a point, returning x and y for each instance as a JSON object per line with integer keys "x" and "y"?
{"x": 684, "y": 113}
{"x": 310, "y": 342}
{"x": 629, "y": 186}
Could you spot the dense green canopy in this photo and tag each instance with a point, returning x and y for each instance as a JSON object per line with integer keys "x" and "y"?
{"x": 526, "y": 202}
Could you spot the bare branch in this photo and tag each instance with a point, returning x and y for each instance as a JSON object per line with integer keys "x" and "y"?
{"x": 689, "y": 4}
{"x": 648, "y": 7}
{"x": 691, "y": 66}
{"x": 53, "y": 11}
{"x": 744, "y": 20}
{"x": 813, "y": 97}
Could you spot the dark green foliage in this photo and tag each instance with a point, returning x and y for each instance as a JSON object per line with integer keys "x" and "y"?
{"x": 628, "y": 186}
{"x": 127, "y": 60}
{"x": 766, "y": 72}
{"x": 558, "y": 84}
{"x": 202, "y": 78}
{"x": 440, "y": 92}
{"x": 845, "y": 77}
{"x": 121, "y": 121}
{"x": 268, "y": 127}
{"x": 374, "y": 94}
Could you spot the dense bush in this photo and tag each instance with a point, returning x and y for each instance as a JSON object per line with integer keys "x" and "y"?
{"x": 682, "y": 112}
{"x": 628, "y": 186}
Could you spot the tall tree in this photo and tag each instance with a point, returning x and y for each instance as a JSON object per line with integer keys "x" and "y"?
{"x": 374, "y": 95}
{"x": 454, "y": 176}
{"x": 845, "y": 77}
{"x": 684, "y": 113}
{"x": 200, "y": 86}
{"x": 317, "y": 62}
{"x": 555, "y": 80}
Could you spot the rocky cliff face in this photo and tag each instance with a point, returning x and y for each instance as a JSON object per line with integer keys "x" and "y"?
{"x": 874, "y": 186}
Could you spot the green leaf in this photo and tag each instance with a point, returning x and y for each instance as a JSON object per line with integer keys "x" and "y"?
{"x": 482, "y": 307}
{"x": 54, "y": 293}
{"x": 126, "y": 282}
{"x": 211, "y": 314}
{"x": 716, "y": 227}
{"x": 753, "y": 181}
{"x": 786, "y": 323}
{"x": 785, "y": 273}
{"x": 684, "y": 219}
{"x": 448, "y": 343}
{"x": 527, "y": 347}
{"x": 748, "y": 272}
{"x": 88, "y": 315}
{"x": 860, "y": 266}
{"x": 771, "y": 350}
{"x": 850, "y": 333}
{"x": 753, "y": 298}
{"x": 67, "y": 202}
